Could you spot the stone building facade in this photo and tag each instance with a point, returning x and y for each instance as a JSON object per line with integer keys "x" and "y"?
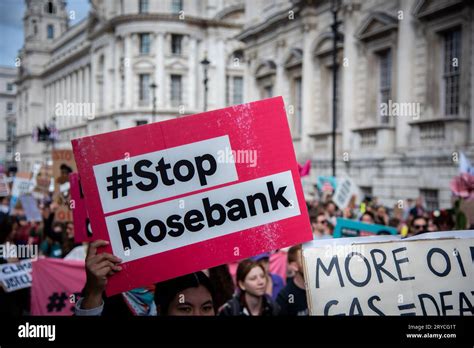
{"x": 107, "y": 64}
{"x": 405, "y": 78}
{"x": 7, "y": 115}
{"x": 406, "y": 86}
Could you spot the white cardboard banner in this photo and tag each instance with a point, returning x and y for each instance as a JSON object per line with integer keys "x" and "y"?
{"x": 432, "y": 274}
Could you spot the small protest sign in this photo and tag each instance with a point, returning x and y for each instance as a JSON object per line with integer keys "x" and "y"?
{"x": 16, "y": 275}
{"x": 326, "y": 183}
{"x": 56, "y": 286}
{"x": 63, "y": 165}
{"x": 354, "y": 228}
{"x": 21, "y": 186}
{"x": 429, "y": 274}
{"x": 30, "y": 207}
{"x": 187, "y": 194}
{"x": 4, "y": 187}
{"x": 43, "y": 182}
{"x": 346, "y": 188}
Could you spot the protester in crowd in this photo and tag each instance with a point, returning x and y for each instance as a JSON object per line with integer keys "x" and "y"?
{"x": 4, "y": 208}
{"x": 252, "y": 299}
{"x": 292, "y": 298}
{"x": 419, "y": 226}
{"x": 418, "y": 209}
{"x": 70, "y": 249}
{"x": 408, "y": 206}
{"x": 381, "y": 216}
{"x": 68, "y": 243}
{"x": 52, "y": 244}
{"x": 367, "y": 217}
{"x": 192, "y": 294}
{"x": 331, "y": 212}
{"x": 443, "y": 219}
{"x": 23, "y": 229}
{"x": 432, "y": 227}
{"x": 274, "y": 282}
{"x": 320, "y": 226}
{"x": 348, "y": 213}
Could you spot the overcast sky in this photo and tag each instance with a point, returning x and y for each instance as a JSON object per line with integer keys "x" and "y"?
{"x": 11, "y": 26}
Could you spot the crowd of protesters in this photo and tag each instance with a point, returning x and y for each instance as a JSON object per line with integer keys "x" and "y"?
{"x": 251, "y": 287}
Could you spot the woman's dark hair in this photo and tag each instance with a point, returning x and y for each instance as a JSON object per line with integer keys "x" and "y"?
{"x": 222, "y": 282}
{"x": 166, "y": 291}
{"x": 368, "y": 213}
{"x": 6, "y": 228}
{"x": 245, "y": 267}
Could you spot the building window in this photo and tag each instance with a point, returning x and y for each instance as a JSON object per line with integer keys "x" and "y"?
{"x": 268, "y": 91}
{"x": 366, "y": 191}
{"x": 142, "y": 6}
{"x": 9, "y": 86}
{"x": 368, "y": 138}
{"x": 50, "y": 31}
{"x": 145, "y": 43}
{"x": 49, "y": 8}
{"x": 35, "y": 27}
{"x": 451, "y": 73}
{"x": 431, "y": 198}
{"x": 385, "y": 82}
{"x": 176, "y": 90}
{"x": 234, "y": 90}
{"x": 176, "y": 41}
{"x": 144, "y": 88}
{"x": 297, "y": 98}
{"x": 237, "y": 91}
{"x": 227, "y": 90}
{"x": 433, "y": 131}
{"x": 9, "y": 107}
{"x": 141, "y": 122}
{"x": 176, "y": 6}
{"x": 238, "y": 56}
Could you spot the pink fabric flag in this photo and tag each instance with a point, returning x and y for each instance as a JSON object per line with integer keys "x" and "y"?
{"x": 304, "y": 169}
{"x": 278, "y": 263}
{"x": 56, "y": 286}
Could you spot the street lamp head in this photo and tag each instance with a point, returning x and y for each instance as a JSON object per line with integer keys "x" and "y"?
{"x": 153, "y": 85}
{"x": 205, "y": 62}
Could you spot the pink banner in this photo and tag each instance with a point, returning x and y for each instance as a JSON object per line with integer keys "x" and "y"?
{"x": 56, "y": 286}
{"x": 239, "y": 164}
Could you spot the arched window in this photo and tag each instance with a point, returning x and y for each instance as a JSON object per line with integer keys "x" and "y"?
{"x": 49, "y": 7}
{"x": 35, "y": 27}
{"x": 50, "y": 30}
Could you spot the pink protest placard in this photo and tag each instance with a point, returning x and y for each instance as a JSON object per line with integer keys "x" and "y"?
{"x": 82, "y": 231}
{"x": 56, "y": 286}
{"x": 191, "y": 193}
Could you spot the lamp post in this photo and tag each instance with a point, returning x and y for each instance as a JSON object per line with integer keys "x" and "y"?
{"x": 153, "y": 87}
{"x": 205, "y": 64}
{"x": 335, "y": 24}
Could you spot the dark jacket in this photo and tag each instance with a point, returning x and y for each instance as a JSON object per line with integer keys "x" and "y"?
{"x": 236, "y": 307}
